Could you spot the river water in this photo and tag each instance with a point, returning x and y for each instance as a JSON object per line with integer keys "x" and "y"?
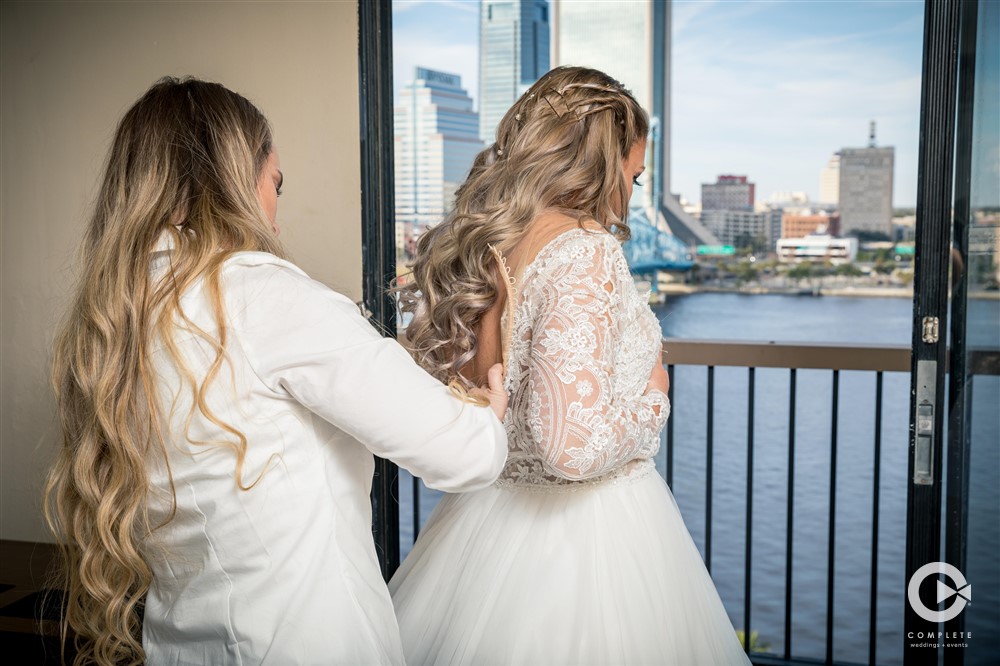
{"x": 783, "y": 318}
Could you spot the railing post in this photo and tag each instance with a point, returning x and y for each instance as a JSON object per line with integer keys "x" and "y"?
{"x": 832, "y": 524}
{"x": 789, "y": 514}
{"x": 877, "y": 464}
{"x": 670, "y": 429}
{"x": 749, "y": 514}
{"x": 710, "y": 430}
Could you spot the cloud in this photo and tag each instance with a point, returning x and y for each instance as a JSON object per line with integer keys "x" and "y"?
{"x": 469, "y": 6}
{"x": 410, "y": 51}
{"x": 441, "y": 35}
{"x": 773, "y": 101}
{"x": 685, "y": 13}
{"x": 770, "y": 89}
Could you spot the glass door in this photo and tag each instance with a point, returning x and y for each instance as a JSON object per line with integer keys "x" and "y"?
{"x": 955, "y": 399}
{"x": 972, "y": 502}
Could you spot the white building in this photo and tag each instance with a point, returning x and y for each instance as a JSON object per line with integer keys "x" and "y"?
{"x": 818, "y": 247}
{"x": 436, "y": 141}
{"x": 787, "y": 199}
{"x": 692, "y": 208}
{"x": 513, "y": 54}
{"x": 829, "y": 181}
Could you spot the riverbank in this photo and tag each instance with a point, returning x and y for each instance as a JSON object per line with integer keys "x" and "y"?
{"x": 681, "y": 289}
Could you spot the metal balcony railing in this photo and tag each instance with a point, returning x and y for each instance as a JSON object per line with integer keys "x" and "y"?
{"x": 793, "y": 357}
{"x": 790, "y": 357}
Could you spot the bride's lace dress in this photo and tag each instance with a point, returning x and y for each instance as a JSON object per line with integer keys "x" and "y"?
{"x": 580, "y": 350}
{"x": 578, "y": 554}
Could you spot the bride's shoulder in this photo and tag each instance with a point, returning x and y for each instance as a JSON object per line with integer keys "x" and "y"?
{"x": 554, "y": 231}
{"x": 551, "y": 223}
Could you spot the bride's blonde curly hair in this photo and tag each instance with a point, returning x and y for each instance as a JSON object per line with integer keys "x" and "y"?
{"x": 560, "y": 147}
{"x": 185, "y": 161}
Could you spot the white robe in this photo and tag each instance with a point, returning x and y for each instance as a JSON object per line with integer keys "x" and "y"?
{"x": 286, "y": 572}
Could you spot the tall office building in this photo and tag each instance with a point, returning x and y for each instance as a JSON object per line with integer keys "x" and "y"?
{"x": 436, "y": 140}
{"x": 865, "y": 197}
{"x": 728, "y": 193}
{"x": 829, "y": 181}
{"x": 630, "y": 42}
{"x": 513, "y": 54}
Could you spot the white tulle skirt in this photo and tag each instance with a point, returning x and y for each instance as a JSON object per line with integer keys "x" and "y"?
{"x": 604, "y": 574}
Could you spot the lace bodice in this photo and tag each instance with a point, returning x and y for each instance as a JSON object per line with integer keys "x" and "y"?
{"x": 580, "y": 346}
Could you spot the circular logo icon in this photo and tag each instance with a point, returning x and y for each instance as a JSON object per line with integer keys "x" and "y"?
{"x": 962, "y": 592}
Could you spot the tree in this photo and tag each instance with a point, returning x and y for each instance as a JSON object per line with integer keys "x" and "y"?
{"x": 760, "y": 245}
{"x": 746, "y": 271}
{"x": 865, "y": 236}
{"x": 756, "y": 645}
{"x": 801, "y": 271}
{"x": 695, "y": 275}
{"x": 849, "y": 269}
{"x": 884, "y": 266}
{"x": 743, "y": 244}
{"x": 769, "y": 266}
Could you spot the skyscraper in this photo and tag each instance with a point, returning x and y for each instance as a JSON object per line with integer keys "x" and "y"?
{"x": 513, "y": 54}
{"x": 866, "y": 189}
{"x": 631, "y": 42}
{"x": 829, "y": 181}
{"x": 436, "y": 140}
{"x": 628, "y": 41}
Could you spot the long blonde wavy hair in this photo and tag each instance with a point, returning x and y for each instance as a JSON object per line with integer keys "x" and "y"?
{"x": 560, "y": 147}
{"x": 185, "y": 160}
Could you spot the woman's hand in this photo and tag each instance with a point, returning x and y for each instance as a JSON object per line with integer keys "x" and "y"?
{"x": 493, "y": 391}
{"x": 658, "y": 379}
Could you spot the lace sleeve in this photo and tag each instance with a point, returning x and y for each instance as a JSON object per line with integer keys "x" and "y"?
{"x": 581, "y": 427}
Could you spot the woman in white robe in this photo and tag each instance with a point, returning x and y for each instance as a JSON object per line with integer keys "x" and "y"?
{"x": 221, "y": 412}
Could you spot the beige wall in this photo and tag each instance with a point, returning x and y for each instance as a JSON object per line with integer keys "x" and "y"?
{"x": 69, "y": 70}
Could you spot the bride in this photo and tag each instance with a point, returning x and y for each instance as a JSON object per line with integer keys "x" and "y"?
{"x": 578, "y": 554}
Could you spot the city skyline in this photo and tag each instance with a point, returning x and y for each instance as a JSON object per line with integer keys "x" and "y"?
{"x": 748, "y": 107}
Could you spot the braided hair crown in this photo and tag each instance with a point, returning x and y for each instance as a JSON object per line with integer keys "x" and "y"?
{"x": 572, "y": 95}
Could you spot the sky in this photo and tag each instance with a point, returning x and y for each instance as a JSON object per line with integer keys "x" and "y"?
{"x": 767, "y": 89}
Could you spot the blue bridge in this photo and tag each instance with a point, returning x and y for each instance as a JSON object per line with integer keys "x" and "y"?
{"x": 651, "y": 249}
